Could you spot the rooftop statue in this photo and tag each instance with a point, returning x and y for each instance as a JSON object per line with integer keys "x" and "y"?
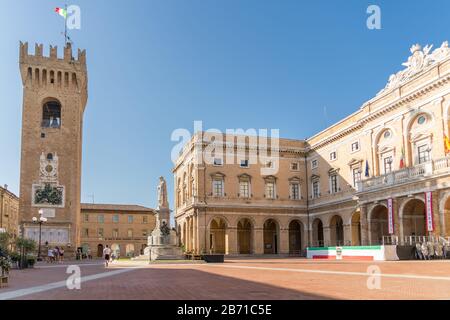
{"x": 419, "y": 60}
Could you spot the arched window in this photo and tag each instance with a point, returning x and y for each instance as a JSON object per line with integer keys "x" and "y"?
{"x": 51, "y": 115}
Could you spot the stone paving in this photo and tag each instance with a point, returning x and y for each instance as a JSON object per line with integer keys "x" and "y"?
{"x": 237, "y": 279}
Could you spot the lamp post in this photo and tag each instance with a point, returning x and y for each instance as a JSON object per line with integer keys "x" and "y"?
{"x": 40, "y": 221}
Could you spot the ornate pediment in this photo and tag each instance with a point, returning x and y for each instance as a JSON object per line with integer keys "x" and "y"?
{"x": 315, "y": 177}
{"x": 355, "y": 161}
{"x": 333, "y": 171}
{"x": 295, "y": 179}
{"x": 217, "y": 175}
{"x": 385, "y": 149}
{"x": 420, "y": 136}
{"x": 419, "y": 60}
{"x": 244, "y": 176}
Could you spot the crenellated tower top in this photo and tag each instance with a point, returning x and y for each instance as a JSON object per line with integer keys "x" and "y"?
{"x": 51, "y": 73}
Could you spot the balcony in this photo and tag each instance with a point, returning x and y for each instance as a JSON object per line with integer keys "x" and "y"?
{"x": 418, "y": 172}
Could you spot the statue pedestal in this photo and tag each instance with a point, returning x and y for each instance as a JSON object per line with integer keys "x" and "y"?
{"x": 163, "y": 247}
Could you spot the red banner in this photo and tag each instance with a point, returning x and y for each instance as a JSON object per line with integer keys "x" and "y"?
{"x": 390, "y": 216}
{"x": 429, "y": 211}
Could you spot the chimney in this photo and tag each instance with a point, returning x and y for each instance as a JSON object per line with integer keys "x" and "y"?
{"x": 6, "y": 187}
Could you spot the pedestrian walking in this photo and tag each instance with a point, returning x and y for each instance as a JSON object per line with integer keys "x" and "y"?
{"x": 107, "y": 255}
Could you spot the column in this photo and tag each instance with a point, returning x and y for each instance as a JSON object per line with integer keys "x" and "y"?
{"x": 258, "y": 240}
{"x": 348, "y": 234}
{"x": 188, "y": 234}
{"x": 326, "y": 236}
{"x": 202, "y": 235}
{"x": 364, "y": 225}
{"x": 284, "y": 241}
{"x": 194, "y": 233}
{"x": 231, "y": 241}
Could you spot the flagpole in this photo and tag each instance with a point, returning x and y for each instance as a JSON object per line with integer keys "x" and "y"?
{"x": 65, "y": 26}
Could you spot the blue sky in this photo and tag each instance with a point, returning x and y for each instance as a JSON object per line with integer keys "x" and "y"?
{"x": 155, "y": 66}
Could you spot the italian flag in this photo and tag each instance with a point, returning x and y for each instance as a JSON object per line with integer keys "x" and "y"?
{"x": 62, "y": 12}
{"x": 402, "y": 159}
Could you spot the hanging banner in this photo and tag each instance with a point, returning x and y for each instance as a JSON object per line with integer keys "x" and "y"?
{"x": 429, "y": 211}
{"x": 390, "y": 216}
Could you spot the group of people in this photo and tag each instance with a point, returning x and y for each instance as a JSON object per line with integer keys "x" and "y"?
{"x": 55, "y": 254}
{"x": 429, "y": 250}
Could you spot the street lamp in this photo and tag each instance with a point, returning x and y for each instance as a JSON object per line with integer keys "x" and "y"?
{"x": 40, "y": 221}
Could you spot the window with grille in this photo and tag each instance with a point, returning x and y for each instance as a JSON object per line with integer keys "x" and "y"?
{"x": 244, "y": 189}
{"x": 424, "y": 153}
{"x": 295, "y": 191}
{"x": 218, "y": 188}
{"x": 270, "y": 190}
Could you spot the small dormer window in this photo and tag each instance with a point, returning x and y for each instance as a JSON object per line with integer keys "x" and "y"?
{"x": 50, "y": 156}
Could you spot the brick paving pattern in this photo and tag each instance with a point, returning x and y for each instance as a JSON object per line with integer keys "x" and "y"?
{"x": 240, "y": 279}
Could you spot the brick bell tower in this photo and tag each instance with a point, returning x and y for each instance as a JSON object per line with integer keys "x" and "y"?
{"x": 54, "y": 100}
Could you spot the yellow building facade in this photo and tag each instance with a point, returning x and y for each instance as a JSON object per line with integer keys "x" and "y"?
{"x": 123, "y": 228}
{"x": 9, "y": 212}
{"x": 380, "y": 175}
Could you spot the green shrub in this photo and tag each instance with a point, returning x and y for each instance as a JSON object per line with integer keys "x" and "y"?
{"x": 31, "y": 260}
{"x": 15, "y": 257}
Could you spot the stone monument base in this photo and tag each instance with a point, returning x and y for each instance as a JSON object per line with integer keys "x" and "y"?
{"x": 165, "y": 252}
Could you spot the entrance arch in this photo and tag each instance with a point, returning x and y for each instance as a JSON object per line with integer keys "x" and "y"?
{"x": 447, "y": 217}
{"x": 244, "y": 236}
{"x": 295, "y": 237}
{"x": 413, "y": 218}
{"x": 378, "y": 223}
{"x": 115, "y": 248}
{"x": 129, "y": 250}
{"x": 356, "y": 229}
{"x": 99, "y": 251}
{"x": 337, "y": 231}
{"x": 218, "y": 228}
{"x": 271, "y": 237}
{"x": 318, "y": 233}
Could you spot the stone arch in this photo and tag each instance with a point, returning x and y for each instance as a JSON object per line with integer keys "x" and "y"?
{"x": 444, "y": 214}
{"x": 336, "y": 230}
{"x": 271, "y": 232}
{"x": 115, "y": 249}
{"x": 378, "y": 223}
{"x": 51, "y": 113}
{"x": 422, "y": 136}
{"x": 296, "y": 230}
{"x": 100, "y": 250}
{"x": 355, "y": 222}
{"x": 384, "y": 148}
{"x": 245, "y": 229}
{"x": 129, "y": 250}
{"x": 218, "y": 229}
{"x": 413, "y": 217}
{"x": 317, "y": 234}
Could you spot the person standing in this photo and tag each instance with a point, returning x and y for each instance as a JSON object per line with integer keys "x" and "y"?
{"x": 107, "y": 255}
{"x": 61, "y": 254}
{"x": 50, "y": 255}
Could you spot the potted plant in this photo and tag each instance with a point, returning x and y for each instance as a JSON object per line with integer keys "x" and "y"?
{"x": 5, "y": 266}
{"x": 15, "y": 259}
{"x": 25, "y": 246}
{"x": 31, "y": 260}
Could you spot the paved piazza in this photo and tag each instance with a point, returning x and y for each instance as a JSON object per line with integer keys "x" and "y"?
{"x": 239, "y": 279}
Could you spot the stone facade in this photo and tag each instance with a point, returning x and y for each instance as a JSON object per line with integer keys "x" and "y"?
{"x": 124, "y": 228}
{"x": 9, "y": 212}
{"x": 391, "y": 148}
{"x": 54, "y": 100}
